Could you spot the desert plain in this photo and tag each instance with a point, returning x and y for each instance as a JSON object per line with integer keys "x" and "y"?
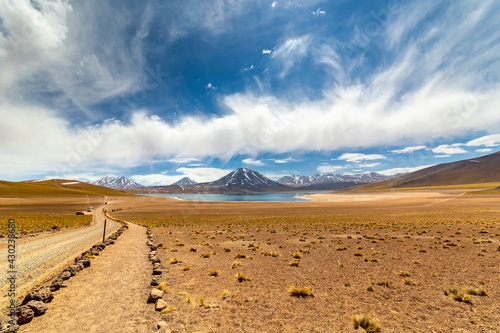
{"x": 410, "y": 261}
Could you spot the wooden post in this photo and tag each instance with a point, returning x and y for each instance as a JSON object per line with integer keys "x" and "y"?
{"x": 104, "y": 233}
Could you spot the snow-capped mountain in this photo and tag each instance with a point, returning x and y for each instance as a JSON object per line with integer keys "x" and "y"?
{"x": 246, "y": 179}
{"x": 363, "y": 178}
{"x": 185, "y": 181}
{"x": 117, "y": 182}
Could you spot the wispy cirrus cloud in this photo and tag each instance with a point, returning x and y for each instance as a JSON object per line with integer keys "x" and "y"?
{"x": 357, "y": 157}
{"x": 488, "y": 141}
{"x": 408, "y": 150}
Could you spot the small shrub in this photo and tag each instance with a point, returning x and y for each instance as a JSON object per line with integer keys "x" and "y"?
{"x": 240, "y": 277}
{"x": 458, "y": 295}
{"x": 476, "y": 291}
{"x": 163, "y": 287}
{"x": 403, "y": 274}
{"x": 188, "y": 300}
{"x": 296, "y": 255}
{"x": 300, "y": 292}
{"x": 91, "y": 256}
{"x": 384, "y": 283}
{"x": 206, "y": 255}
{"x": 365, "y": 322}
{"x": 236, "y": 264}
{"x": 166, "y": 310}
{"x": 409, "y": 282}
{"x": 294, "y": 263}
{"x": 186, "y": 268}
{"x": 240, "y": 256}
{"x": 179, "y": 244}
{"x": 174, "y": 261}
{"x": 226, "y": 249}
{"x": 358, "y": 254}
{"x": 192, "y": 249}
{"x": 213, "y": 272}
{"x": 370, "y": 287}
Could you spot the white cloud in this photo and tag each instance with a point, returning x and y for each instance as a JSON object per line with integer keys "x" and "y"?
{"x": 484, "y": 150}
{"x": 291, "y": 51}
{"x": 408, "y": 150}
{"x": 442, "y": 156}
{"x": 155, "y": 179}
{"x": 448, "y": 150}
{"x": 327, "y": 168}
{"x": 265, "y": 51}
{"x": 274, "y": 4}
{"x": 183, "y": 160}
{"x": 368, "y": 165}
{"x": 357, "y": 158}
{"x": 250, "y": 161}
{"x": 199, "y": 175}
{"x": 284, "y": 161}
{"x": 394, "y": 171}
{"x": 488, "y": 141}
{"x": 202, "y": 175}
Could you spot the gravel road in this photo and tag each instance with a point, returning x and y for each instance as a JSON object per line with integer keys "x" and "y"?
{"x": 43, "y": 256}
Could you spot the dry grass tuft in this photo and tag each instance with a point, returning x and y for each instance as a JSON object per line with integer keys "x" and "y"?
{"x": 365, "y": 322}
{"x": 213, "y": 272}
{"x": 240, "y": 277}
{"x": 174, "y": 261}
{"x": 294, "y": 263}
{"x": 186, "y": 268}
{"x": 300, "y": 292}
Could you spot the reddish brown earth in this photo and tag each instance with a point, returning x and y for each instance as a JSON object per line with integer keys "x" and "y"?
{"x": 442, "y": 239}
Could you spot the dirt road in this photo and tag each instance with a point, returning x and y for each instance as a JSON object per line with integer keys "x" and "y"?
{"x": 41, "y": 257}
{"x": 109, "y": 296}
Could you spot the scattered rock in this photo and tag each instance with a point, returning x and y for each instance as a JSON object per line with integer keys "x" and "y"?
{"x": 79, "y": 266}
{"x": 43, "y": 294}
{"x": 155, "y": 260}
{"x": 8, "y": 327}
{"x": 85, "y": 262}
{"x": 163, "y": 326}
{"x": 160, "y": 305}
{"x": 154, "y": 247}
{"x": 65, "y": 275}
{"x": 38, "y": 307}
{"x": 149, "y": 243}
{"x": 56, "y": 284}
{"x": 156, "y": 271}
{"x": 155, "y": 281}
{"x": 155, "y": 295}
{"x": 24, "y": 314}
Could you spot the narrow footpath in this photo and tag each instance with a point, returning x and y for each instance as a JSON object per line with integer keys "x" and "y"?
{"x": 109, "y": 296}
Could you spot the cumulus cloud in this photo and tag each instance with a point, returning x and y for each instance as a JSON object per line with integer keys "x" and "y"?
{"x": 448, "y": 150}
{"x": 357, "y": 158}
{"x": 484, "y": 150}
{"x": 408, "y": 150}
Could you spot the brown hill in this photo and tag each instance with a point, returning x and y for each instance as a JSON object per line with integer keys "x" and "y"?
{"x": 53, "y": 188}
{"x": 484, "y": 169}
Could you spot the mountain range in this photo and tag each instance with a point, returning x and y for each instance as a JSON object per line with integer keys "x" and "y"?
{"x": 484, "y": 169}
{"x": 117, "y": 183}
{"x": 364, "y": 178}
{"x": 185, "y": 181}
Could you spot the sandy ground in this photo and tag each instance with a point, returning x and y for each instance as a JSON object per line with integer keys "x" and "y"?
{"x": 44, "y": 255}
{"x": 442, "y": 239}
{"x": 109, "y": 296}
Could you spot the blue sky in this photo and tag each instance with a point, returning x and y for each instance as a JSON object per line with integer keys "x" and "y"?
{"x": 159, "y": 90}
